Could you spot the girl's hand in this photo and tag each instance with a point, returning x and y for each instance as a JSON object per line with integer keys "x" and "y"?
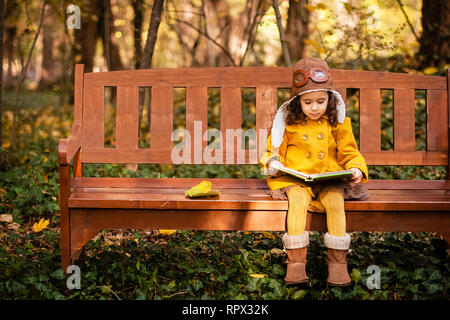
{"x": 272, "y": 171}
{"x": 357, "y": 176}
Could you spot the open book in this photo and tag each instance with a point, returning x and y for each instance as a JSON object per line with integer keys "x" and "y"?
{"x": 312, "y": 177}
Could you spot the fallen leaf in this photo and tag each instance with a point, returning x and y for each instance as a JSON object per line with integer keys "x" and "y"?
{"x": 6, "y": 218}
{"x": 257, "y": 275}
{"x": 13, "y": 226}
{"x": 166, "y": 231}
{"x": 41, "y": 225}
{"x": 276, "y": 251}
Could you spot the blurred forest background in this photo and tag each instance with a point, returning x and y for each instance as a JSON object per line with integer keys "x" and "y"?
{"x": 40, "y": 47}
{"x": 38, "y": 51}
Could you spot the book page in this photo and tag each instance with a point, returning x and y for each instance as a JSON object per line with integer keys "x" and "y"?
{"x": 290, "y": 171}
{"x": 332, "y": 175}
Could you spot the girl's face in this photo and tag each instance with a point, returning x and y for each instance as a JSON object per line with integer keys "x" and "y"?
{"x": 314, "y": 104}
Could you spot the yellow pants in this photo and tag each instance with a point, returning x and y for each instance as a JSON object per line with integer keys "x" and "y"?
{"x": 332, "y": 200}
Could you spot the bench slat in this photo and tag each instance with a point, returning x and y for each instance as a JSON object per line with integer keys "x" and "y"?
{"x": 370, "y": 117}
{"x": 245, "y": 202}
{"x": 343, "y": 92}
{"x": 197, "y": 110}
{"x": 437, "y": 120}
{"x": 416, "y": 158}
{"x": 404, "y": 120}
{"x": 161, "y": 126}
{"x": 266, "y": 108}
{"x": 93, "y": 118}
{"x": 383, "y": 79}
{"x": 231, "y": 119}
{"x": 262, "y": 193}
{"x": 127, "y": 120}
{"x": 247, "y": 184}
{"x": 257, "y": 76}
{"x": 86, "y": 222}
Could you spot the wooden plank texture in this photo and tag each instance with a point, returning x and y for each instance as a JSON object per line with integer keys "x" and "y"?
{"x": 404, "y": 120}
{"x": 245, "y": 184}
{"x": 127, "y": 118}
{"x": 93, "y": 118}
{"x": 161, "y": 126}
{"x": 266, "y": 108}
{"x": 259, "y": 76}
{"x": 197, "y": 121}
{"x": 437, "y": 117}
{"x": 370, "y": 120}
{"x": 230, "y": 123}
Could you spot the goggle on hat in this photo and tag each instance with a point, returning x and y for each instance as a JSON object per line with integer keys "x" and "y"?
{"x": 309, "y": 75}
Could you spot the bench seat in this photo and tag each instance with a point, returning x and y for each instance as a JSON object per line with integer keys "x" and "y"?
{"x": 244, "y": 194}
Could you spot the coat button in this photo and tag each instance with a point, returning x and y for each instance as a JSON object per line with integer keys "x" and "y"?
{"x": 321, "y": 155}
{"x": 320, "y": 121}
{"x": 320, "y": 136}
{"x": 308, "y": 155}
{"x": 305, "y": 137}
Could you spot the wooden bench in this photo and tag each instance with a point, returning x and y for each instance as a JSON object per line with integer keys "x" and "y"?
{"x": 89, "y": 205}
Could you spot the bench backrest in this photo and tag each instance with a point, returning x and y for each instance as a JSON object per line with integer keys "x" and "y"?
{"x": 89, "y": 111}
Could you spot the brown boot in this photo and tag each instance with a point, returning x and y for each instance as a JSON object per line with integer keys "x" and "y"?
{"x": 295, "y": 247}
{"x": 296, "y": 264}
{"x": 337, "y": 268}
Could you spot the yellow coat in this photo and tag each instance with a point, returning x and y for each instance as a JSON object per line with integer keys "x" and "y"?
{"x": 315, "y": 146}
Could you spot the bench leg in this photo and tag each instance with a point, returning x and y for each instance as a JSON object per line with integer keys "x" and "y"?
{"x": 64, "y": 219}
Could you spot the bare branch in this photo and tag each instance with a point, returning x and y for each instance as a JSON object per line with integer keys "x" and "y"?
{"x": 155, "y": 21}
{"x": 286, "y": 55}
{"x": 204, "y": 33}
{"x": 407, "y": 19}
{"x": 30, "y": 53}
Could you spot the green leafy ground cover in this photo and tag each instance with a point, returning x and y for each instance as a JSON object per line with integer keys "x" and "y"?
{"x": 132, "y": 264}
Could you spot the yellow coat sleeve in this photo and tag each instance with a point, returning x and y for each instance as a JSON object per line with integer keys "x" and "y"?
{"x": 348, "y": 155}
{"x": 272, "y": 152}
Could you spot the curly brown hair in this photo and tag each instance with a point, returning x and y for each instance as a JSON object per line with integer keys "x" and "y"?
{"x": 295, "y": 113}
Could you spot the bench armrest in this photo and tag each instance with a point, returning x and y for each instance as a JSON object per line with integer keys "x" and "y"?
{"x": 67, "y": 148}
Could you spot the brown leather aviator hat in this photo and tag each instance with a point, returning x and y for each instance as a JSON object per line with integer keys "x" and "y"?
{"x": 308, "y": 75}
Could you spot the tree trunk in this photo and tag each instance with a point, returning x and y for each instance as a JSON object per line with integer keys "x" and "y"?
{"x": 10, "y": 34}
{"x": 51, "y": 67}
{"x": 155, "y": 20}
{"x": 2, "y": 25}
{"x": 297, "y": 28}
{"x": 235, "y": 33}
{"x": 22, "y": 77}
{"x": 107, "y": 31}
{"x": 137, "y": 34}
{"x": 435, "y": 40}
{"x": 11, "y": 19}
{"x": 86, "y": 37}
{"x": 285, "y": 50}
{"x": 186, "y": 38}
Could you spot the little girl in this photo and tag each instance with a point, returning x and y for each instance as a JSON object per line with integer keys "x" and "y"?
{"x": 310, "y": 133}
